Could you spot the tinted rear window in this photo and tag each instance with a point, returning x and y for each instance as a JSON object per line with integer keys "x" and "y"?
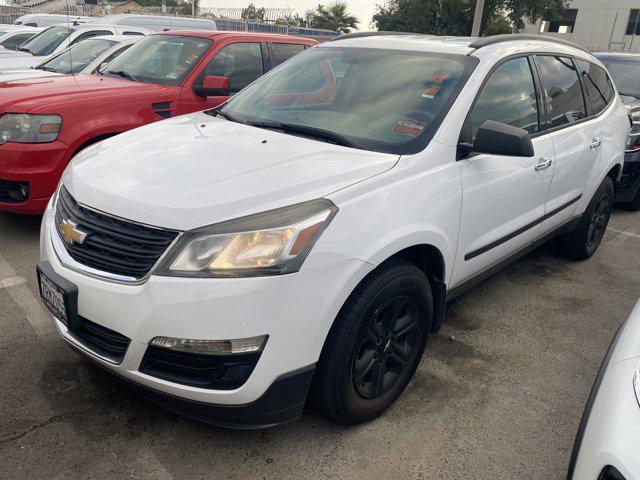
{"x": 281, "y": 52}
{"x": 597, "y": 86}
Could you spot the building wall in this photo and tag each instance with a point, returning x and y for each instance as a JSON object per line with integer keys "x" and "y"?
{"x": 599, "y": 25}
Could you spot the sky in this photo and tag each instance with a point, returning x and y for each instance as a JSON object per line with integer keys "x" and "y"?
{"x": 361, "y": 9}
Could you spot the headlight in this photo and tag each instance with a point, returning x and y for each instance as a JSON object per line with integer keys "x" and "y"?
{"x": 270, "y": 243}
{"x": 25, "y": 128}
{"x": 633, "y": 144}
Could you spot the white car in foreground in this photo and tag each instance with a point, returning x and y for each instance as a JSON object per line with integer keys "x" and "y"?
{"x": 87, "y": 56}
{"x": 306, "y": 236}
{"x": 54, "y": 40}
{"x": 607, "y": 445}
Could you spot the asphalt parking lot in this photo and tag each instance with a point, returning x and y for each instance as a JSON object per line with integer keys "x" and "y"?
{"x": 499, "y": 393}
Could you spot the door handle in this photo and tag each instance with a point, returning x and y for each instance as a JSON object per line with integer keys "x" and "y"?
{"x": 595, "y": 143}
{"x": 543, "y": 164}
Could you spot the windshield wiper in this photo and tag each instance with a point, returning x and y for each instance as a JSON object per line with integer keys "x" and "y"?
{"x": 123, "y": 74}
{"x": 23, "y": 49}
{"x": 635, "y": 95}
{"x": 46, "y": 69}
{"x": 311, "y": 132}
{"x": 216, "y": 112}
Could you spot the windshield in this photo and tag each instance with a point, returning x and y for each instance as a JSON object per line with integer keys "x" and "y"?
{"x": 383, "y": 100}
{"x": 159, "y": 59}
{"x": 625, "y": 75}
{"x": 76, "y": 58}
{"x": 46, "y": 41}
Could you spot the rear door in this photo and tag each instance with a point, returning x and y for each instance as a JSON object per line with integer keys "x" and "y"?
{"x": 574, "y": 131}
{"x": 281, "y": 51}
{"x": 240, "y": 60}
{"x": 503, "y": 196}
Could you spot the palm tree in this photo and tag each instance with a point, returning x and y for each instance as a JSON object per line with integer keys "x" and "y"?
{"x": 333, "y": 17}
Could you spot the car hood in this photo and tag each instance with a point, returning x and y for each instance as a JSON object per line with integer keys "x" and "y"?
{"x": 24, "y": 95}
{"x": 197, "y": 170}
{"x": 632, "y": 104}
{"x": 23, "y": 73}
{"x": 11, "y": 60}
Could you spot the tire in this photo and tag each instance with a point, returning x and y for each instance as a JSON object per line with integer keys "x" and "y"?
{"x": 634, "y": 205}
{"x": 380, "y": 333}
{"x": 583, "y": 242}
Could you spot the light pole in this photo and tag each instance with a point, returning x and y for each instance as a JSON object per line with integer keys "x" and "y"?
{"x": 477, "y": 18}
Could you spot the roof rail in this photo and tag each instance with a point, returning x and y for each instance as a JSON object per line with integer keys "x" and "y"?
{"x": 376, "y": 34}
{"x": 493, "y": 39}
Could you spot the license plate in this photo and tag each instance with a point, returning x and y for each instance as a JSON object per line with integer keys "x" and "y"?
{"x": 58, "y": 294}
{"x": 53, "y": 298}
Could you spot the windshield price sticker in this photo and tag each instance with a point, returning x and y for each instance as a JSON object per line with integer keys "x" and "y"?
{"x": 409, "y": 126}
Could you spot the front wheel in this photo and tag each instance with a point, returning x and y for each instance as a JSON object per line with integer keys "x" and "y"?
{"x": 586, "y": 238}
{"x": 375, "y": 344}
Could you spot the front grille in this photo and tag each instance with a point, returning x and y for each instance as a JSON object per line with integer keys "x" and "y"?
{"x": 101, "y": 340}
{"x": 217, "y": 372}
{"x": 111, "y": 244}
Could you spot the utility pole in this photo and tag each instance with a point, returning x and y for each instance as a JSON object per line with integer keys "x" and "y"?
{"x": 477, "y": 19}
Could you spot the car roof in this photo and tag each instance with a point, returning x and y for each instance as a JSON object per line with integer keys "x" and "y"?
{"x": 618, "y": 55}
{"x": 218, "y": 35}
{"x": 494, "y": 47}
{"x": 119, "y": 38}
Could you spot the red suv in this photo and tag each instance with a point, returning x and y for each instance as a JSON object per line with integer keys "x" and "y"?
{"x": 44, "y": 122}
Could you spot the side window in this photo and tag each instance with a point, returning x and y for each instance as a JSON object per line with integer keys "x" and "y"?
{"x": 563, "y": 93}
{"x": 108, "y": 60}
{"x": 241, "y": 63}
{"x": 94, "y": 33}
{"x": 597, "y": 85}
{"x": 281, "y": 52}
{"x": 12, "y": 42}
{"x": 508, "y": 96}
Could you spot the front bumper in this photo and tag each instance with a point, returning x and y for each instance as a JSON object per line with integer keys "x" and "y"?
{"x": 40, "y": 165}
{"x": 296, "y": 312}
{"x": 629, "y": 183}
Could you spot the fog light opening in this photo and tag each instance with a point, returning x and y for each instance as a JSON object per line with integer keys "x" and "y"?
{"x": 212, "y": 347}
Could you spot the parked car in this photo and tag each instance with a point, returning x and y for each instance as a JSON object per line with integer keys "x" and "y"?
{"x": 13, "y": 38}
{"x": 54, "y": 40}
{"x": 49, "y": 19}
{"x": 159, "y": 23}
{"x": 606, "y": 445}
{"x": 87, "y": 56}
{"x": 625, "y": 72}
{"x": 305, "y": 237}
{"x": 163, "y": 75}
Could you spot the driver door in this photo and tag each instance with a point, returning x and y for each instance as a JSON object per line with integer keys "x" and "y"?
{"x": 241, "y": 62}
{"x": 503, "y": 196}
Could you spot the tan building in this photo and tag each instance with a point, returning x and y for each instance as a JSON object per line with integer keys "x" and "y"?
{"x": 114, "y": 8}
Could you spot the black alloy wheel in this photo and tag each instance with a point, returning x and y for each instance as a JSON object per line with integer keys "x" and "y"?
{"x": 387, "y": 347}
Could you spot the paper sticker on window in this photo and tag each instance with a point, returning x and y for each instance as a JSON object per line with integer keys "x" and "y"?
{"x": 430, "y": 92}
{"x": 439, "y": 77}
{"x": 409, "y": 126}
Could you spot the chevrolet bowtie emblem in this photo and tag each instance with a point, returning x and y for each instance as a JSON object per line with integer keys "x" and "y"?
{"x": 70, "y": 232}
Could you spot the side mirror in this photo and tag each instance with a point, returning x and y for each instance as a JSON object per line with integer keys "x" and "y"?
{"x": 501, "y": 139}
{"x": 212, "y": 86}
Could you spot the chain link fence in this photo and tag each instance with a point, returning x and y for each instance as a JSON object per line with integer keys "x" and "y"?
{"x": 274, "y": 20}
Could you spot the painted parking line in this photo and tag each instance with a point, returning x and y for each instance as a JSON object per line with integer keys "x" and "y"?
{"x": 12, "y": 282}
{"x": 625, "y": 233}
{"x": 33, "y": 310}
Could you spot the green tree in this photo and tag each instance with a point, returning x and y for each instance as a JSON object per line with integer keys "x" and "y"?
{"x": 253, "y": 13}
{"x": 334, "y": 16}
{"x": 455, "y": 17}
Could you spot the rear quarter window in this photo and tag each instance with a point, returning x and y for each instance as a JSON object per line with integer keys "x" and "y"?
{"x": 597, "y": 85}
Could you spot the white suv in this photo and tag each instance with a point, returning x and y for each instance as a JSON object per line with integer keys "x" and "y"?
{"x": 305, "y": 237}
